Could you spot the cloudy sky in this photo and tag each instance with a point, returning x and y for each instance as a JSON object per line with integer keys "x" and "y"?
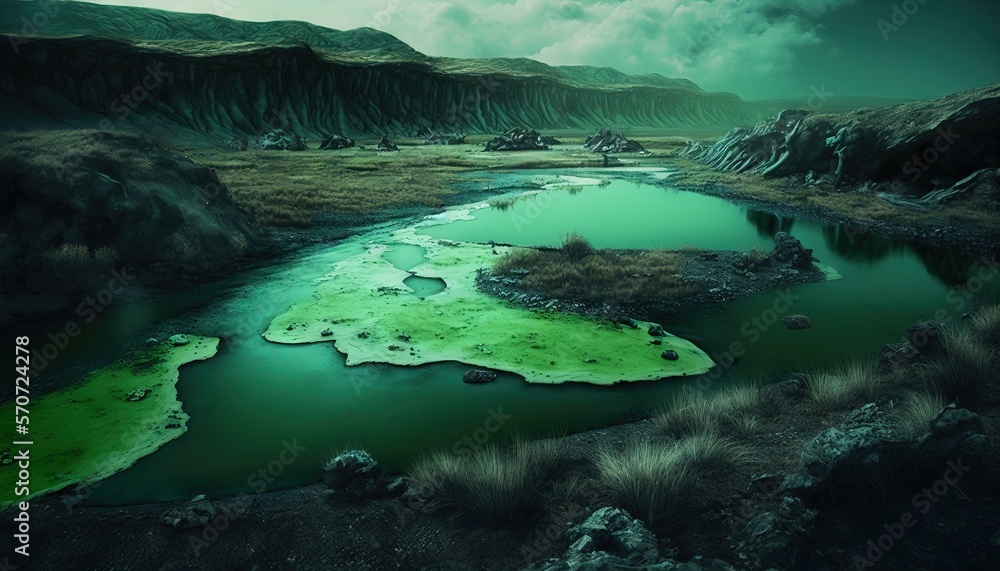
{"x": 759, "y": 49}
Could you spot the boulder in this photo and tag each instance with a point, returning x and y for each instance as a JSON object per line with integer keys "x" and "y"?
{"x": 178, "y": 340}
{"x": 517, "y": 140}
{"x": 354, "y": 473}
{"x": 839, "y": 455}
{"x": 452, "y": 139}
{"x": 335, "y": 143}
{"x": 771, "y": 540}
{"x": 896, "y": 355}
{"x": 386, "y": 146}
{"x": 925, "y": 336}
{"x": 788, "y": 251}
{"x": 196, "y": 513}
{"x": 954, "y": 433}
{"x": 279, "y": 140}
{"x": 398, "y": 486}
{"x": 656, "y": 330}
{"x": 614, "y": 531}
{"x": 604, "y": 141}
{"x": 670, "y": 355}
{"x": 796, "y": 322}
{"x": 479, "y": 377}
{"x": 611, "y": 540}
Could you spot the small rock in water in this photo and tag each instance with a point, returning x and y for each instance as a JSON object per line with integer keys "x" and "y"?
{"x": 178, "y": 340}
{"x": 135, "y": 395}
{"x": 670, "y": 355}
{"x": 796, "y": 322}
{"x": 479, "y": 376}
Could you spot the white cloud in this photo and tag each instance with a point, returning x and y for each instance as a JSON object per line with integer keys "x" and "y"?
{"x": 746, "y": 46}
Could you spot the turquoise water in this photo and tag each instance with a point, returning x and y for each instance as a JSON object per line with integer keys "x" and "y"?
{"x": 254, "y": 396}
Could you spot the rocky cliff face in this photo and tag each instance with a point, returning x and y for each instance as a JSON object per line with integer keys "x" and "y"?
{"x": 84, "y": 81}
{"x": 920, "y": 149}
{"x": 86, "y": 63}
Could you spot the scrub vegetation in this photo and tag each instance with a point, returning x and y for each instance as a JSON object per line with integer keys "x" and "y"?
{"x": 576, "y": 270}
{"x": 714, "y": 439}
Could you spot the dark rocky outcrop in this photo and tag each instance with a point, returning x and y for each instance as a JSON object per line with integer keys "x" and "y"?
{"x": 923, "y": 340}
{"x": 194, "y": 514}
{"x": 854, "y": 455}
{"x": 919, "y": 154}
{"x": 479, "y": 377}
{"x": 278, "y": 140}
{"x": 439, "y": 139}
{"x": 517, "y": 140}
{"x": 387, "y": 146}
{"x": 551, "y": 141}
{"x": 772, "y": 539}
{"x": 335, "y": 143}
{"x": 796, "y": 322}
{"x": 611, "y": 539}
{"x": 788, "y": 251}
{"x": 356, "y": 474}
{"x": 604, "y": 141}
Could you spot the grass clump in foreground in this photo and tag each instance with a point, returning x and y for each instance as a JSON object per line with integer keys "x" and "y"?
{"x": 578, "y": 271}
{"x": 654, "y": 482}
{"x": 734, "y": 410}
{"x": 966, "y": 368}
{"x": 491, "y": 484}
{"x": 851, "y": 384}
{"x": 919, "y": 409}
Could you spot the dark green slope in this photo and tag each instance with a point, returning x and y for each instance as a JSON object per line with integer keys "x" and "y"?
{"x": 224, "y": 77}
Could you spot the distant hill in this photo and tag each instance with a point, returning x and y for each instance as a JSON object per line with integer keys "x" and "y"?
{"x": 231, "y": 77}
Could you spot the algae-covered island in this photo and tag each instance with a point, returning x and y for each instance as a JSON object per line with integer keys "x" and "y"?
{"x": 540, "y": 285}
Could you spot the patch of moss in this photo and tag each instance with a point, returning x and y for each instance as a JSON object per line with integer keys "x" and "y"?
{"x": 462, "y": 324}
{"x": 90, "y": 431}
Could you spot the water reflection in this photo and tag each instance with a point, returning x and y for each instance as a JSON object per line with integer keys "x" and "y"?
{"x": 769, "y": 224}
{"x": 951, "y": 268}
{"x": 851, "y": 244}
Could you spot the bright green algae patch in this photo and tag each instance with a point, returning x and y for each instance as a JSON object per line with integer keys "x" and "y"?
{"x": 90, "y": 431}
{"x": 364, "y": 306}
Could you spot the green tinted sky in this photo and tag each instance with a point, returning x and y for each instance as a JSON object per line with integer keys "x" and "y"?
{"x": 760, "y": 49}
